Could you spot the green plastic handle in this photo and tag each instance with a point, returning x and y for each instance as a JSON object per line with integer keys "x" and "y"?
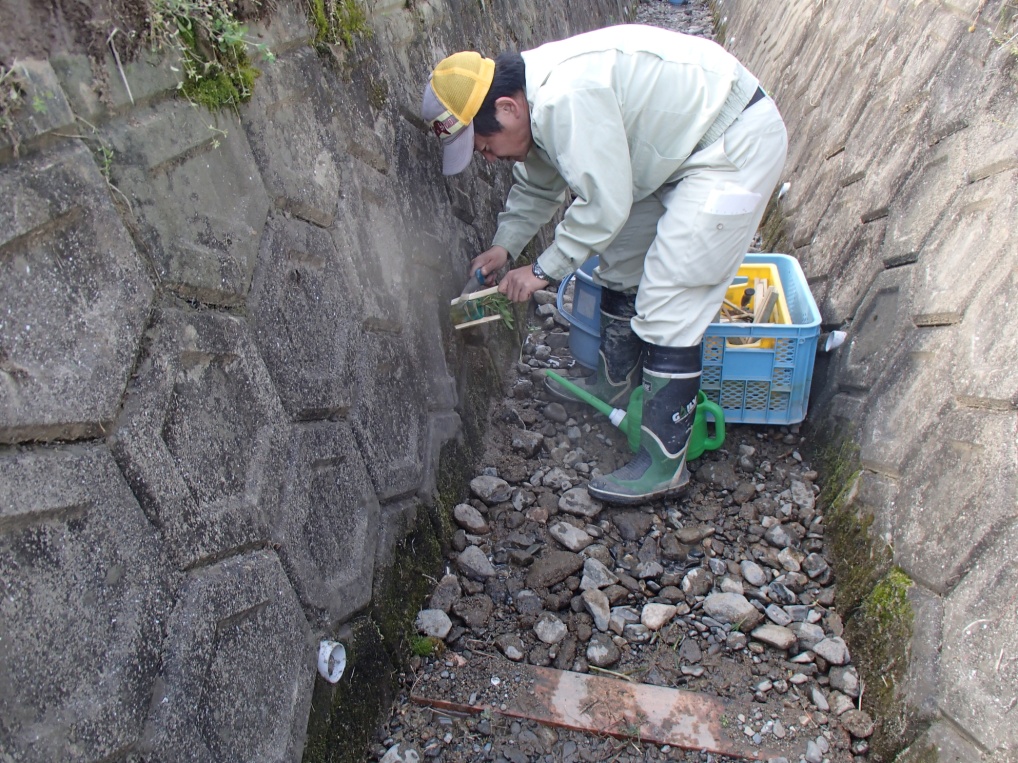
{"x": 715, "y": 442}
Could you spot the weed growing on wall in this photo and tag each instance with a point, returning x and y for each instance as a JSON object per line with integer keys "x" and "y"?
{"x": 1005, "y": 33}
{"x": 214, "y": 50}
{"x": 338, "y": 21}
{"x": 12, "y": 97}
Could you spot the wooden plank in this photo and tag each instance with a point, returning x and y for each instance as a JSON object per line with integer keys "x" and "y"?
{"x": 622, "y": 709}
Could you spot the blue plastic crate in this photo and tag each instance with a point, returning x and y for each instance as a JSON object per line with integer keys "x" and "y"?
{"x": 765, "y": 385}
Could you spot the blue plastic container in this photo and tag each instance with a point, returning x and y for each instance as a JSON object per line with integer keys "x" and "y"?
{"x": 585, "y": 318}
{"x": 765, "y": 385}
{"x": 753, "y": 385}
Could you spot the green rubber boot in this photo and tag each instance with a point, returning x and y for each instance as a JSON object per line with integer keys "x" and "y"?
{"x": 618, "y": 363}
{"x": 671, "y": 379}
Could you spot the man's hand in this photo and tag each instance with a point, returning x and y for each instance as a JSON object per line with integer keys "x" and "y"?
{"x": 490, "y": 262}
{"x": 519, "y": 284}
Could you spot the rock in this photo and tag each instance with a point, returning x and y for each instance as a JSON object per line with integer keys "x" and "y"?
{"x": 470, "y": 519}
{"x": 744, "y": 493}
{"x": 556, "y": 412}
{"x": 577, "y": 501}
{"x": 697, "y": 582}
{"x": 596, "y": 603}
{"x": 779, "y": 536}
{"x": 632, "y": 525}
{"x": 648, "y": 570}
{"x": 834, "y": 650}
{"x": 845, "y": 680}
{"x": 596, "y": 575}
{"x": 528, "y": 602}
{"x": 718, "y": 474}
{"x": 671, "y": 549}
{"x": 790, "y": 559}
{"x": 775, "y": 635}
{"x": 527, "y": 442}
{"x": 550, "y": 629}
{"x": 446, "y": 593}
{"x": 475, "y": 564}
{"x": 557, "y": 480}
{"x": 689, "y": 651}
{"x": 815, "y": 565}
{"x": 778, "y": 615}
{"x": 857, "y": 723}
{"x": 602, "y": 651}
{"x": 621, "y": 617}
{"x": 732, "y": 609}
{"x": 474, "y": 610}
{"x": 802, "y": 495}
{"x": 571, "y": 537}
{"x": 808, "y": 634}
{"x": 655, "y": 616}
{"x": 840, "y": 704}
{"x": 813, "y": 753}
{"x": 693, "y": 535}
{"x": 433, "y": 622}
{"x": 781, "y": 593}
{"x": 731, "y": 585}
{"x": 820, "y": 700}
{"x": 491, "y": 490}
{"x": 511, "y": 646}
{"x": 753, "y": 573}
{"x": 553, "y": 567}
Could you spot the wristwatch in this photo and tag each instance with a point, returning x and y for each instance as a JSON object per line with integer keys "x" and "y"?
{"x": 539, "y": 273}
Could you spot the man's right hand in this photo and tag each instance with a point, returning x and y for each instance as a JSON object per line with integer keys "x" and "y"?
{"x": 490, "y": 262}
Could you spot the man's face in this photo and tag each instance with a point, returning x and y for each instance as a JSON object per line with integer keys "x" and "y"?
{"x": 514, "y": 141}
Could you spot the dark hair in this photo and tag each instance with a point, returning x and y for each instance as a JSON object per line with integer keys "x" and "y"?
{"x": 510, "y": 79}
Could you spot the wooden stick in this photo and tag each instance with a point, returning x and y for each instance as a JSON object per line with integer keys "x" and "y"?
{"x": 473, "y": 295}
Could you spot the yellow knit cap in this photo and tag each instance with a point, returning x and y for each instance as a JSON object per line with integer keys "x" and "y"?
{"x": 461, "y": 81}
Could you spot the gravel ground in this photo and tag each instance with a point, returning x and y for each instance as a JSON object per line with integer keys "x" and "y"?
{"x": 541, "y": 574}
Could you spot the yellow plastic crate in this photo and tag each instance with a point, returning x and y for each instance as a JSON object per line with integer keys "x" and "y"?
{"x": 735, "y": 293}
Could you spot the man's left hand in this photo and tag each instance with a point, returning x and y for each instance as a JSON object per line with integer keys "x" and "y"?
{"x": 520, "y": 284}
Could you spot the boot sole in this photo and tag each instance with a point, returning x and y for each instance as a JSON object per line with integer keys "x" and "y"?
{"x": 627, "y": 499}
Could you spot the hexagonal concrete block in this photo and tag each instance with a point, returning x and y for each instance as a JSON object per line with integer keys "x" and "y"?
{"x": 980, "y": 651}
{"x": 956, "y": 494}
{"x": 388, "y": 416}
{"x": 922, "y": 199}
{"x": 202, "y": 435}
{"x": 237, "y": 668}
{"x": 907, "y": 400}
{"x": 46, "y": 108}
{"x": 199, "y": 207}
{"x": 947, "y": 273}
{"x": 304, "y": 312}
{"x": 986, "y": 371}
{"x": 86, "y": 591}
{"x": 75, "y": 299}
{"x": 875, "y": 336}
{"x": 328, "y": 521}
{"x": 296, "y": 137}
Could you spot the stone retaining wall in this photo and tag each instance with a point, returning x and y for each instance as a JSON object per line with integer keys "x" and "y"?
{"x": 903, "y": 172}
{"x": 226, "y": 375}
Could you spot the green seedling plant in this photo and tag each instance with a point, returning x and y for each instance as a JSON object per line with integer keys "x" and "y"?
{"x": 214, "y": 50}
{"x": 498, "y": 304}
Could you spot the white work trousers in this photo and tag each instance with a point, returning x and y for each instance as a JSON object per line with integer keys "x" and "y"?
{"x": 678, "y": 249}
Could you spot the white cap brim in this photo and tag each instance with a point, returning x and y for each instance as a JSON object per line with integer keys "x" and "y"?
{"x": 456, "y": 150}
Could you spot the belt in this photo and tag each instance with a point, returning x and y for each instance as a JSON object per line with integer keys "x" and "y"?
{"x": 759, "y": 95}
{"x": 717, "y": 130}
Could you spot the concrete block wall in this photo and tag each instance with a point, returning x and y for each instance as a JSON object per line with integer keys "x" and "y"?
{"x": 903, "y": 172}
{"x": 226, "y": 374}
